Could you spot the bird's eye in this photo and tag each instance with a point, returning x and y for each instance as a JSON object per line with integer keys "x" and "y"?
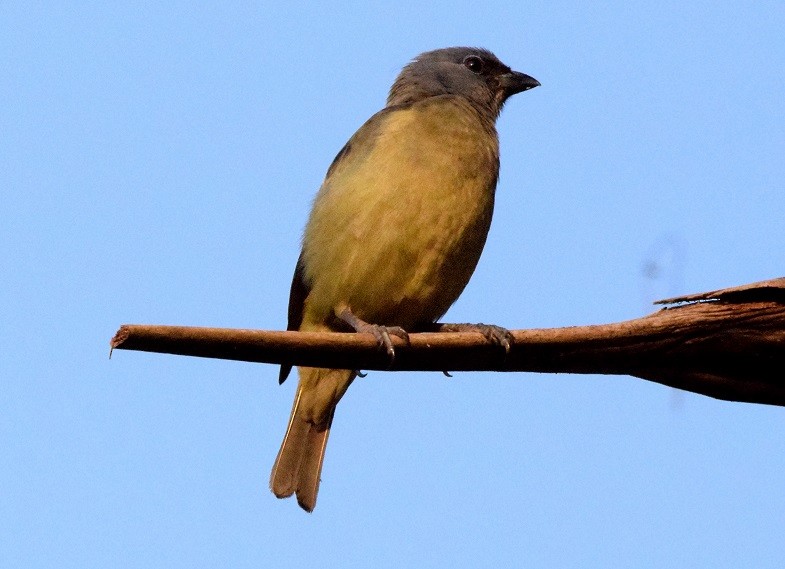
{"x": 474, "y": 63}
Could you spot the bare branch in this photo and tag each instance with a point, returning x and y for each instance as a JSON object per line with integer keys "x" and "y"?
{"x": 728, "y": 344}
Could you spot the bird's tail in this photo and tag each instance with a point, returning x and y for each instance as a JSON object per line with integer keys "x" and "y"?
{"x": 298, "y": 467}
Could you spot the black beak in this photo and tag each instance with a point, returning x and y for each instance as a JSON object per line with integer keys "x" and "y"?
{"x": 515, "y": 82}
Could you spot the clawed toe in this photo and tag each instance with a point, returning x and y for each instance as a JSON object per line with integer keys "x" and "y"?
{"x": 381, "y": 333}
{"x": 496, "y": 334}
{"x": 397, "y": 331}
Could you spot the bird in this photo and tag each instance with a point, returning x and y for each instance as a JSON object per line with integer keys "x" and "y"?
{"x": 395, "y": 231}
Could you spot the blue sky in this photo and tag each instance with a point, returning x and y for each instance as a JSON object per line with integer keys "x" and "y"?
{"x": 157, "y": 165}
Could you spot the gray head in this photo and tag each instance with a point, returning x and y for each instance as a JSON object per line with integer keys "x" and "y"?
{"x": 469, "y": 72}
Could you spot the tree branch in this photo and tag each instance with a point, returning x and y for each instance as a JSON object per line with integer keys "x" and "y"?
{"x": 728, "y": 344}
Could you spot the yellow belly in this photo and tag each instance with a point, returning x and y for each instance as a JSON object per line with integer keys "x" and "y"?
{"x": 399, "y": 225}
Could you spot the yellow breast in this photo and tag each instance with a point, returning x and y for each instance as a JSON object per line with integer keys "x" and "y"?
{"x": 399, "y": 224}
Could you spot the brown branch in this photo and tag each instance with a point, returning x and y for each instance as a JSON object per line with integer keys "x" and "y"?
{"x": 728, "y": 344}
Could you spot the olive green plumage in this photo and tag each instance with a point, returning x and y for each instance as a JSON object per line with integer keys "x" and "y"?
{"x": 396, "y": 229}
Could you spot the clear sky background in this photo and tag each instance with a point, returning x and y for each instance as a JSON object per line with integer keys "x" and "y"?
{"x": 157, "y": 166}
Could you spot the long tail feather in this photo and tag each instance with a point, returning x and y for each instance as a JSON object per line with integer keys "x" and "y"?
{"x": 298, "y": 467}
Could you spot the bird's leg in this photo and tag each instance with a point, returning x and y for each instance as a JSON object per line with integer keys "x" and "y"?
{"x": 495, "y": 334}
{"x": 381, "y": 333}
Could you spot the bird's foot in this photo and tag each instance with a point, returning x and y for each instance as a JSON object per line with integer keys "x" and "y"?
{"x": 381, "y": 333}
{"x": 495, "y": 334}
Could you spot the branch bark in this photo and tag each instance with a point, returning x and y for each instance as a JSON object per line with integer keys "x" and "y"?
{"x": 728, "y": 344}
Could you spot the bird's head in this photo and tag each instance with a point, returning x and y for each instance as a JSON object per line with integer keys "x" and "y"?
{"x": 473, "y": 73}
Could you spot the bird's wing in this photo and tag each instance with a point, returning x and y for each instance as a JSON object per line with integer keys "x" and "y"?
{"x": 361, "y": 143}
{"x": 352, "y": 153}
{"x": 297, "y": 295}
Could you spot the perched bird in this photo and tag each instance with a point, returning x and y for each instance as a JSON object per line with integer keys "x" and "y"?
{"x": 396, "y": 230}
